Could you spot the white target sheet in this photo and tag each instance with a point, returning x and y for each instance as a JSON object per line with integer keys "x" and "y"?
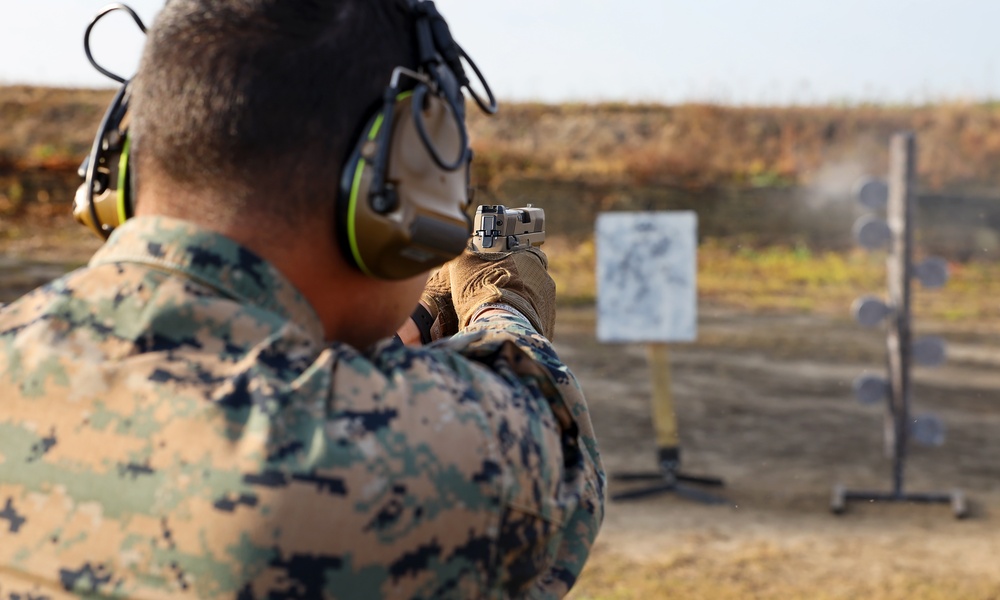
{"x": 647, "y": 276}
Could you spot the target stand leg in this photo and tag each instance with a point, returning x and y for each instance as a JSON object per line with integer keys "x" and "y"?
{"x": 670, "y": 480}
{"x": 955, "y": 498}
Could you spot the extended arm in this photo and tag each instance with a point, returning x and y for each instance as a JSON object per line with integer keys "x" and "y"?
{"x": 503, "y": 308}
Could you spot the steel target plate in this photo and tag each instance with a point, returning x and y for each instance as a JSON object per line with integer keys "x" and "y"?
{"x": 873, "y": 193}
{"x": 869, "y": 311}
{"x": 928, "y": 430}
{"x": 872, "y": 233}
{"x": 929, "y": 351}
{"x": 932, "y": 273}
{"x": 871, "y": 389}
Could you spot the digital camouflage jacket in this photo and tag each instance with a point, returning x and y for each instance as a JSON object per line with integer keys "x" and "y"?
{"x": 172, "y": 424}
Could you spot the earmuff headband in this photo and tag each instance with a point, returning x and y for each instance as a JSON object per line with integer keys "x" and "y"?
{"x": 86, "y": 37}
{"x": 435, "y": 43}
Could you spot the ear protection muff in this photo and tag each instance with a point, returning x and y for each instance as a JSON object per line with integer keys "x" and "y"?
{"x": 403, "y": 195}
{"x": 399, "y": 212}
{"x": 105, "y": 200}
{"x": 404, "y": 190}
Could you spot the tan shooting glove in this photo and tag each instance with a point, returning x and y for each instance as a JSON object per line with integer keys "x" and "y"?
{"x": 438, "y": 316}
{"x": 517, "y": 278}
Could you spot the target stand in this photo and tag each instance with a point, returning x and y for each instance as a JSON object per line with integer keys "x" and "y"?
{"x": 900, "y": 426}
{"x": 670, "y": 482}
{"x": 647, "y": 293}
{"x": 956, "y": 498}
{"x": 670, "y": 479}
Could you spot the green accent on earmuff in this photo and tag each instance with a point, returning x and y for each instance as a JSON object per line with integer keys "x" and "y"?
{"x": 352, "y": 207}
{"x": 123, "y": 182}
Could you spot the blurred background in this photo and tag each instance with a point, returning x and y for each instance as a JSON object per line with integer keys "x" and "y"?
{"x": 761, "y": 117}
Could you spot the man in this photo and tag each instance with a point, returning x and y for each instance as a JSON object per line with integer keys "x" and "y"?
{"x": 215, "y": 406}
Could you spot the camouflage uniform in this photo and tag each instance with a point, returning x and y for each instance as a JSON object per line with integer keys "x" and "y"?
{"x": 172, "y": 424}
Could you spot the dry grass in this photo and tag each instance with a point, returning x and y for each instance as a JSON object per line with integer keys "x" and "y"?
{"x": 764, "y": 571}
{"x": 781, "y": 278}
{"x": 698, "y": 145}
{"x": 48, "y": 127}
{"x": 691, "y": 145}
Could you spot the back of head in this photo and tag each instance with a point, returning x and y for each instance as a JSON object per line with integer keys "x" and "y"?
{"x": 260, "y": 101}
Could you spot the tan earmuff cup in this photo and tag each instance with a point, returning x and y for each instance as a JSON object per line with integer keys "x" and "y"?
{"x": 429, "y": 226}
{"x": 106, "y": 204}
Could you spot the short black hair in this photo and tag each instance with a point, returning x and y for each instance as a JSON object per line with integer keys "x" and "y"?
{"x": 264, "y": 98}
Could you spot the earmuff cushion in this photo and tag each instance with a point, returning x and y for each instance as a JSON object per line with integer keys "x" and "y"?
{"x": 410, "y": 212}
{"x": 126, "y": 202}
{"x": 351, "y": 192}
{"x": 350, "y": 182}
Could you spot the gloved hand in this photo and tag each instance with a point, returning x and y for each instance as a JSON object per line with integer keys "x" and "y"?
{"x": 436, "y": 300}
{"x": 517, "y": 278}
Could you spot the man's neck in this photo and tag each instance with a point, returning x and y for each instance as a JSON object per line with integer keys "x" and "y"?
{"x": 352, "y": 307}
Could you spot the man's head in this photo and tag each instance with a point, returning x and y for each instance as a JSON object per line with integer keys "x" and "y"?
{"x": 242, "y": 115}
{"x": 259, "y": 102}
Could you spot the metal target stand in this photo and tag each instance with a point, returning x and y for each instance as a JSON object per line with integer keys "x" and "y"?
{"x": 902, "y": 351}
{"x": 669, "y": 479}
{"x": 647, "y": 293}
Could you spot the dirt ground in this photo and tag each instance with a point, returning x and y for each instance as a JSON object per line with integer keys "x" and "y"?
{"x": 765, "y": 402}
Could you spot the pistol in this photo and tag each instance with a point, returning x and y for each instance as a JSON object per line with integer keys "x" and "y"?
{"x": 501, "y": 229}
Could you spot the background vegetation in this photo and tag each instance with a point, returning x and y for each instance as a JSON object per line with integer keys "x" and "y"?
{"x": 582, "y": 159}
{"x": 692, "y": 145}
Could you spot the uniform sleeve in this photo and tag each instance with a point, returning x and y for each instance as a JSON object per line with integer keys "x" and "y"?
{"x": 510, "y": 340}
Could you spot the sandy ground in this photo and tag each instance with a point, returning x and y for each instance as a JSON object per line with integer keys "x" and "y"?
{"x": 765, "y": 402}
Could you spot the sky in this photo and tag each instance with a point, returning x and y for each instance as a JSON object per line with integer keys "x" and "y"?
{"x": 721, "y": 51}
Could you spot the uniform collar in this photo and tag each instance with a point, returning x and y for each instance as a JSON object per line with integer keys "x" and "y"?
{"x": 211, "y": 259}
